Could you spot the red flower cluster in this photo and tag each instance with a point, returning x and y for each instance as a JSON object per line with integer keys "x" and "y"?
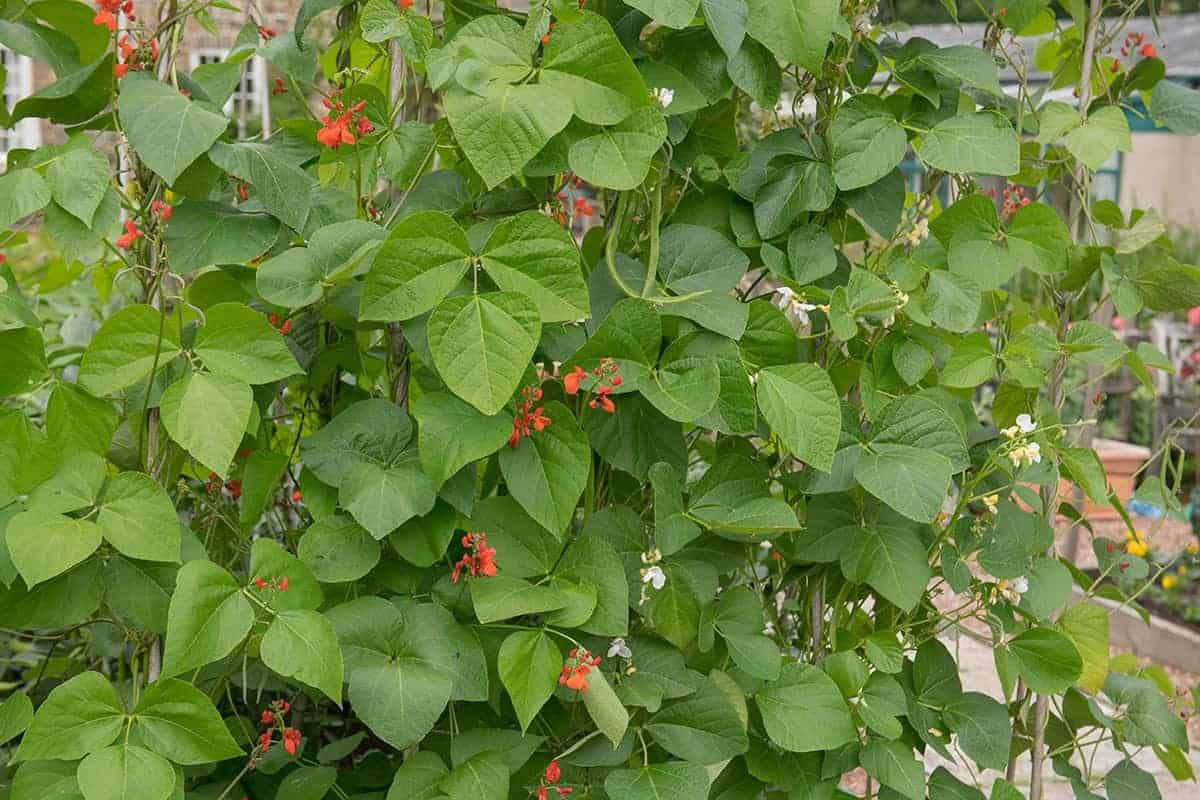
{"x": 266, "y": 33}
{"x": 550, "y": 777}
{"x": 1014, "y": 199}
{"x": 335, "y": 130}
{"x": 297, "y": 497}
{"x": 273, "y": 718}
{"x": 131, "y": 235}
{"x": 279, "y": 87}
{"x": 528, "y": 419}
{"x": 479, "y": 560}
{"x": 107, "y": 15}
{"x": 160, "y": 209}
{"x": 284, "y": 329}
{"x": 243, "y": 191}
{"x": 405, "y": 4}
{"x": 136, "y": 57}
{"x": 275, "y": 583}
{"x": 1135, "y": 43}
{"x": 583, "y": 208}
{"x": 607, "y": 379}
{"x": 546, "y": 35}
{"x": 575, "y": 671}
{"x": 214, "y": 485}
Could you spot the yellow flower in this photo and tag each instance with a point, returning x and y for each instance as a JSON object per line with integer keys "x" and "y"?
{"x": 1136, "y": 547}
{"x": 1182, "y": 570}
{"x": 1169, "y": 581}
{"x": 1193, "y": 548}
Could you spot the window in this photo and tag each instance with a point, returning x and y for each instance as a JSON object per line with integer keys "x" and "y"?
{"x": 251, "y": 91}
{"x": 18, "y": 83}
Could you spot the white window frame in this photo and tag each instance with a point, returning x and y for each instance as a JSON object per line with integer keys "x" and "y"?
{"x": 18, "y": 84}
{"x": 255, "y": 68}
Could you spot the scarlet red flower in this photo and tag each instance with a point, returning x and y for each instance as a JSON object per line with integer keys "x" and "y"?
{"x": 553, "y": 772}
{"x": 243, "y": 191}
{"x": 120, "y": 70}
{"x": 266, "y": 33}
{"x": 336, "y": 131}
{"x": 576, "y": 669}
{"x": 283, "y": 584}
{"x": 291, "y": 740}
{"x": 364, "y": 126}
{"x": 572, "y": 380}
{"x": 161, "y": 210}
{"x": 406, "y": 3}
{"x": 542, "y": 794}
{"x": 1149, "y": 51}
{"x": 3, "y": 258}
{"x": 273, "y": 318}
{"x": 479, "y": 560}
{"x": 267, "y": 718}
{"x": 259, "y": 582}
{"x": 285, "y": 706}
{"x": 131, "y": 235}
{"x": 1116, "y": 66}
{"x": 279, "y": 87}
{"x": 106, "y": 19}
{"x": 264, "y": 740}
{"x": 286, "y": 327}
{"x": 235, "y": 488}
{"x": 297, "y": 496}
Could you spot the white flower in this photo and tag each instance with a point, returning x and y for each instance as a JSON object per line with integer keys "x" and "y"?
{"x": 619, "y": 648}
{"x": 1020, "y": 585}
{"x": 655, "y": 577}
{"x": 1026, "y": 423}
{"x": 769, "y": 629}
{"x": 1033, "y": 453}
{"x": 786, "y": 296}
{"x": 665, "y": 97}
{"x": 765, "y": 544}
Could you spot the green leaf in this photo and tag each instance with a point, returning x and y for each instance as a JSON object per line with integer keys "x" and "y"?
{"x": 801, "y": 405}
{"x": 384, "y": 498}
{"x": 202, "y": 233}
{"x": 138, "y": 518}
{"x": 126, "y": 772}
{"x": 506, "y": 126}
{"x": 126, "y": 348}
{"x": 678, "y": 780}
{"x": 371, "y": 432}
{"x": 529, "y": 253}
{"x": 338, "y": 550}
{"x": 16, "y": 712}
{"x": 180, "y": 722}
{"x": 1128, "y": 781}
{"x": 482, "y": 344}
{"x": 983, "y": 727}
{"x": 591, "y": 560}
{"x": 43, "y": 544}
{"x": 893, "y": 765}
{"x": 671, "y": 13}
{"x": 500, "y": 597}
{"x": 452, "y": 434}
{"x": 709, "y": 727}
{"x": 300, "y": 276}
{"x": 529, "y": 664}
{"x": 696, "y": 258}
{"x": 271, "y": 560}
{"x": 619, "y": 157}
{"x": 75, "y": 421}
{"x": 207, "y": 415}
{"x": 73, "y": 487}
{"x": 684, "y": 395}
{"x": 418, "y": 777}
{"x": 307, "y": 783}
{"x": 754, "y": 70}
{"x": 547, "y": 472}
{"x": 1047, "y": 660}
{"x": 398, "y": 686}
{"x": 422, "y": 260}
{"x": 726, "y": 21}
{"x": 238, "y": 342}
{"x": 208, "y": 618}
{"x": 804, "y": 711}
{"x": 167, "y": 131}
{"x": 529, "y": 549}
{"x": 483, "y": 776}
{"x": 796, "y": 30}
{"x": 79, "y": 181}
{"x": 282, "y": 188}
{"x": 911, "y": 480}
{"x": 1100, "y": 137}
{"x": 302, "y": 645}
{"x": 867, "y": 140}
{"x": 983, "y": 143}
{"x": 1086, "y": 625}
{"x": 605, "y": 708}
{"x": 965, "y": 63}
{"x": 22, "y": 192}
{"x": 79, "y": 716}
{"x": 804, "y": 186}
{"x": 1175, "y": 106}
{"x": 588, "y": 67}
{"x": 892, "y": 560}
{"x": 46, "y": 780}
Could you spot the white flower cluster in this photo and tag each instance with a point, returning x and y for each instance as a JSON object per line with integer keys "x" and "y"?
{"x": 665, "y": 97}
{"x": 1023, "y": 453}
{"x": 652, "y": 574}
{"x": 794, "y": 306}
